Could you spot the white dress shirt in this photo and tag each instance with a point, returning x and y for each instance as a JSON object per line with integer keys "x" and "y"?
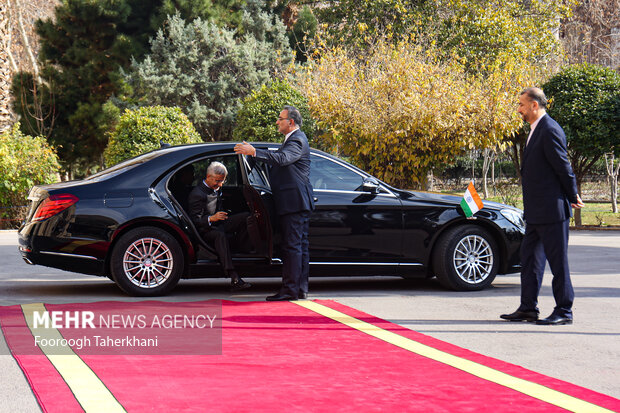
{"x": 532, "y": 127}
{"x": 290, "y": 133}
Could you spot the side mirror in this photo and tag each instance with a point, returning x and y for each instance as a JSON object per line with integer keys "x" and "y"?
{"x": 370, "y": 185}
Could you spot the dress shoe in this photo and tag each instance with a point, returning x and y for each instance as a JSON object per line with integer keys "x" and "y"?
{"x": 238, "y": 285}
{"x": 302, "y": 295}
{"x": 555, "y": 320}
{"x": 281, "y": 297}
{"x": 521, "y": 316}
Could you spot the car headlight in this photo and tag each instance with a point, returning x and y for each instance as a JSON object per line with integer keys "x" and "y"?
{"x": 514, "y": 215}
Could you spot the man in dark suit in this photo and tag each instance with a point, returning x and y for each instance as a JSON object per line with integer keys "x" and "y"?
{"x": 549, "y": 191}
{"x": 292, "y": 193}
{"x": 205, "y": 211}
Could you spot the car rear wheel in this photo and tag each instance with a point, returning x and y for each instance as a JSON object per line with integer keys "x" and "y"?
{"x": 147, "y": 261}
{"x": 466, "y": 258}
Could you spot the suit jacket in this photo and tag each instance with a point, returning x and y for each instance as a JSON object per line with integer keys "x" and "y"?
{"x": 549, "y": 185}
{"x": 289, "y": 174}
{"x": 198, "y": 211}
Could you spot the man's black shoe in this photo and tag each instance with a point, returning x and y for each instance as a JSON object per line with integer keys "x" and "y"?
{"x": 302, "y": 295}
{"x": 239, "y": 285}
{"x": 520, "y": 316}
{"x": 555, "y": 320}
{"x": 280, "y": 297}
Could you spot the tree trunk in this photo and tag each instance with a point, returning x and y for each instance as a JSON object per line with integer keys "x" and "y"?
{"x": 6, "y": 38}
{"x": 493, "y": 178}
{"x": 430, "y": 181}
{"x": 489, "y": 158}
{"x": 473, "y": 156}
{"x": 516, "y": 152}
{"x": 614, "y": 193}
{"x": 612, "y": 173}
{"x": 577, "y": 214}
{"x": 5, "y": 69}
{"x": 26, "y": 41}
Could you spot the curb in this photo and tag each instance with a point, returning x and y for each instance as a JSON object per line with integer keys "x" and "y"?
{"x": 595, "y": 228}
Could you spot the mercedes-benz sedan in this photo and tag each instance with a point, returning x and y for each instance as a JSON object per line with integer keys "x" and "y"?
{"x": 129, "y": 223}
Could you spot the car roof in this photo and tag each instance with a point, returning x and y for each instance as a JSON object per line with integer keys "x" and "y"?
{"x": 145, "y": 169}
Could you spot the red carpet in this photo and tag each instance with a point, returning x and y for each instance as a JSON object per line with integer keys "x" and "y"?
{"x": 285, "y": 357}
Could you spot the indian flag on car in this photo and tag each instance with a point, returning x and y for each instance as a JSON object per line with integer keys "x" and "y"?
{"x": 471, "y": 202}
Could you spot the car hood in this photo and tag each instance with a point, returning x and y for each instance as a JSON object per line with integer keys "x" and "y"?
{"x": 451, "y": 199}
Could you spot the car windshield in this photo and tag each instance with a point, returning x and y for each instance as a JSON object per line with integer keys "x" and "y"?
{"x": 123, "y": 166}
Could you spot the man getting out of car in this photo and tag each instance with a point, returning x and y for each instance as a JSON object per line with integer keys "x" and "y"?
{"x": 205, "y": 211}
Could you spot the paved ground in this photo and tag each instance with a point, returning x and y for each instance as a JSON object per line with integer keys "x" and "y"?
{"x": 586, "y": 353}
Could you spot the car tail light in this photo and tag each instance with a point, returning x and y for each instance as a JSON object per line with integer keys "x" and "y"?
{"x": 53, "y": 205}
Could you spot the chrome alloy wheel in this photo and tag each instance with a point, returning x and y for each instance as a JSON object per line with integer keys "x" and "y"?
{"x": 148, "y": 262}
{"x": 473, "y": 259}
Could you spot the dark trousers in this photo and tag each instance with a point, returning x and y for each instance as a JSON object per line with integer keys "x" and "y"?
{"x": 217, "y": 237}
{"x": 550, "y": 242}
{"x": 295, "y": 253}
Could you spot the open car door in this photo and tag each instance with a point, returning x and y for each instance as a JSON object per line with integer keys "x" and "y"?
{"x": 257, "y": 193}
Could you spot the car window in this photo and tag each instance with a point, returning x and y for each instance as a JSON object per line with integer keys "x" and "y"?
{"x": 327, "y": 174}
{"x": 123, "y": 166}
{"x": 230, "y": 161}
{"x": 257, "y": 172}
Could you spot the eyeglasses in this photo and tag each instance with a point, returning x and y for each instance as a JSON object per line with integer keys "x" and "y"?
{"x": 283, "y": 118}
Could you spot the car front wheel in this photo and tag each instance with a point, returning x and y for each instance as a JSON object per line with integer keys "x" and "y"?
{"x": 147, "y": 261}
{"x": 466, "y": 258}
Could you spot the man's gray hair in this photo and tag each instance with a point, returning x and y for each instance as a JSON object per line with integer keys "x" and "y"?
{"x": 216, "y": 168}
{"x": 536, "y": 95}
{"x": 293, "y": 113}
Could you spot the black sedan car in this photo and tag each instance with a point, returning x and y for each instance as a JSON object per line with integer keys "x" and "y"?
{"x": 129, "y": 223}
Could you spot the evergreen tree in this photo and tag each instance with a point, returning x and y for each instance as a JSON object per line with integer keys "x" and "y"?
{"x": 79, "y": 50}
{"x": 225, "y": 13}
{"x": 205, "y": 69}
{"x": 82, "y": 49}
{"x": 303, "y": 33}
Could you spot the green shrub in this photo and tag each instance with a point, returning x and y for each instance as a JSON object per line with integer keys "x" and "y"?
{"x": 141, "y": 130}
{"x": 256, "y": 119}
{"x": 25, "y": 161}
{"x": 585, "y": 101}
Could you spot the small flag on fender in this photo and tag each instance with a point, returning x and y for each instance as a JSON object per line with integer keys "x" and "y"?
{"x": 471, "y": 202}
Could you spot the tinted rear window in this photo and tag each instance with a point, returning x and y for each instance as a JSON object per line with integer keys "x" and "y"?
{"x": 123, "y": 166}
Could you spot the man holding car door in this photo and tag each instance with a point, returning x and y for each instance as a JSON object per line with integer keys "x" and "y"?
{"x": 292, "y": 192}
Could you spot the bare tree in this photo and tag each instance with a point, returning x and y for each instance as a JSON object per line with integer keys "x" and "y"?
{"x": 5, "y": 69}
{"x": 18, "y": 46}
{"x": 613, "y": 169}
{"x": 41, "y": 119}
{"x": 25, "y": 37}
{"x": 489, "y": 156}
{"x": 23, "y": 15}
{"x": 22, "y": 46}
{"x": 592, "y": 34}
